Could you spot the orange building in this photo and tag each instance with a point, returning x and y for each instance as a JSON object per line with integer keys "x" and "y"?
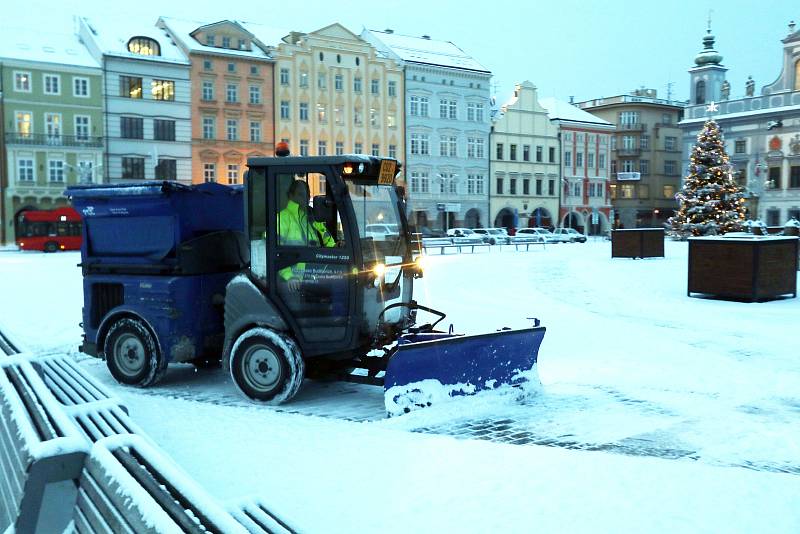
{"x": 232, "y": 100}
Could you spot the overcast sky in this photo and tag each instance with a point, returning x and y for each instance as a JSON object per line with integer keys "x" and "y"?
{"x": 565, "y": 47}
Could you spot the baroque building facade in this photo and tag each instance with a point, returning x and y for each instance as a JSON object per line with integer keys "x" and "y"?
{"x": 231, "y": 97}
{"x": 524, "y": 163}
{"x": 53, "y": 121}
{"x": 585, "y": 187}
{"x": 447, "y": 126}
{"x": 146, "y": 98}
{"x": 761, "y": 131}
{"x": 646, "y": 156}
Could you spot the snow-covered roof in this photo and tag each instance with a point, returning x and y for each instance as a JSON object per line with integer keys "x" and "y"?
{"x": 560, "y": 110}
{"x": 182, "y": 29}
{"x": 113, "y": 34}
{"x": 751, "y": 113}
{"x": 267, "y": 35}
{"x": 428, "y": 51}
{"x": 29, "y": 44}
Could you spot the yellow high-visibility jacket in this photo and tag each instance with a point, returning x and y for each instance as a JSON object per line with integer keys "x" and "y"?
{"x": 295, "y": 229}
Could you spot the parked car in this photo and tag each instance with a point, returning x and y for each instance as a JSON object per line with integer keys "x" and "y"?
{"x": 493, "y": 236}
{"x": 569, "y": 235}
{"x": 546, "y": 235}
{"x": 464, "y": 236}
{"x": 426, "y": 232}
{"x": 382, "y": 232}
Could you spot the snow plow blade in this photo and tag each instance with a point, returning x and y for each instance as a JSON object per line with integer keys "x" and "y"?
{"x": 429, "y": 367}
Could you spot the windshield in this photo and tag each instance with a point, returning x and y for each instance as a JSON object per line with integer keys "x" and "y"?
{"x": 378, "y": 216}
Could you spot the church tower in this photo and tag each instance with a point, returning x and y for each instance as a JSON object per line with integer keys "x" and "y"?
{"x": 708, "y": 76}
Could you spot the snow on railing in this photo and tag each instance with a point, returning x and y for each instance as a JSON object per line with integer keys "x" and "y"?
{"x": 256, "y": 517}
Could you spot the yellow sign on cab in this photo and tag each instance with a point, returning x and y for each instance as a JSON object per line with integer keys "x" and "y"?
{"x": 388, "y": 170}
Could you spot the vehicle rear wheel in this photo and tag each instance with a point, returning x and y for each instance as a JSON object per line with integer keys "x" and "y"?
{"x": 132, "y": 355}
{"x": 51, "y": 246}
{"x": 267, "y": 366}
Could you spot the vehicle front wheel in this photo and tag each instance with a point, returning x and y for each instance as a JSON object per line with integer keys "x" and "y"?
{"x": 132, "y": 355}
{"x": 267, "y": 366}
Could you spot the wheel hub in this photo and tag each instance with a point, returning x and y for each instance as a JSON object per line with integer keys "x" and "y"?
{"x": 262, "y": 368}
{"x": 129, "y": 354}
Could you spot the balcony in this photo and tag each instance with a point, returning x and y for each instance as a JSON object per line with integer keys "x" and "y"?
{"x": 78, "y": 141}
{"x": 631, "y": 127}
{"x": 628, "y": 151}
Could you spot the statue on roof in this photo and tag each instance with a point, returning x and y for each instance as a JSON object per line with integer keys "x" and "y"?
{"x": 725, "y": 91}
{"x": 750, "y": 86}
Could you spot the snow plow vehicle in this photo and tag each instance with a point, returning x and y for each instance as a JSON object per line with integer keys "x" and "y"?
{"x": 280, "y": 281}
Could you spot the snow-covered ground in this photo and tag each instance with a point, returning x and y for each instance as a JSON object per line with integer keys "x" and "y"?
{"x": 657, "y": 412}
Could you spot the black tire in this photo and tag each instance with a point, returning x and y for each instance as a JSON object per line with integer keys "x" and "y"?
{"x": 51, "y": 246}
{"x": 267, "y": 366}
{"x": 132, "y": 355}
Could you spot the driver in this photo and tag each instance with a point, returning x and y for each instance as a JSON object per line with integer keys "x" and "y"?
{"x": 295, "y": 228}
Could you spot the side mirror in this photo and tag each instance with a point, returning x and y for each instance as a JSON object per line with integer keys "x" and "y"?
{"x": 324, "y": 209}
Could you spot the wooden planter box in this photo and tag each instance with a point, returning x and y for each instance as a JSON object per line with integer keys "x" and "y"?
{"x": 637, "y": 243}
{"x": 749, "y": 268}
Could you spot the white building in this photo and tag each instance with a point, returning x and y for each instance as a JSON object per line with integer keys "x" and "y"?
{"x": 147, "y": 99}
{"x": 447, "y": 112}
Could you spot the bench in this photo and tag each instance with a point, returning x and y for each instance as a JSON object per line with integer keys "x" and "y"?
{"x": 526, "y": 243}
{"x": 446, "y": 243}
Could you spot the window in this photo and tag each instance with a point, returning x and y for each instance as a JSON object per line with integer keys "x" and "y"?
{"x": 339, "y": 148}
{"x": 322, "y": 113}
{"x": 209, "y": 127}
{"x": 700, "y": 92}
{"x": 208, "y": 90}
{"x": 166, "y": 170}
{"x": 670, "y": 168}
{"x": 131, "y": 127}
{"x": 499, "y": 185}
{"x": 55, "y": 168}
{"x": 601, "y": 161}
{"x": 210, "y": 41}
{"x": 255, "y": 131}
{"x": 231, "y": 93}
{"x": 526, "y": 186}
{"x": 25, "y": 170}
{"x": 579, "y": 159}
{"x": 666, "y": 118}
{"x": 568, "y": 158}
{"x": 475, "y": 184}
{"x": 391, "y": 120}
{"x": 255, "y": 94}
{"x": 133, "y": 168}
{"x": 526, "y": 152}
{"x": 576, "y": 189}
{"x": 356, "y": 85}
{"x": 420, "y": 182}
{"x": 322, "y": 80}
{"x": 232, "y": 128}
{"x": 304, "y": 147}
{"x": 231, "y": 67}
{"x": 644, "y": 142}
{"x": 254, "y": 70}
{"x": 233, "y": 174}
{"x": 474, "y": 112}
{"x": 475, "y": 147}
{"x": 338, "y": 115}
{"x": 773, "y": 217}
{"x": 629, "y": 118}
{"x": 80, "y": 87}
{"x": 374, "y": 86}
{"x": 163, "y": 130}
{"x": 774, "y": 181}
{"x": 284, "y": 76}
{"x": 448, "y": 146}
{"x": 303, "y": 111}
{"x": 322, "y": 148}
{"x": 628, "y": 142}
{"x": 512, "y": 152}
{"x": 499, "y": 151}
{"x": 52, "y": 127}
{"x": 668, "y": 191}
{"x": 794, "y": 176}
{"x": 539, "y": 155}
{"x": 590, "y": 160}
{"x": 448, "y": 109}
{"x": 626, "y": 191}
{"x": 163, "y": 89}
{"x": 551, "y": 154}
{"x": 209, "y": 172}
{"x": 376, "y": 149}
{"x": 82, "y": 127}
{"x": 52, "y": 84}
{"x": 644, "y": 167}
{"x": 208, "y": 64}
{"x": 338, "y": 82}
{"x": 418, "y": 106}
{"x": 670, "y": 143}
{"x": 392, "y": 151}
{"x": 613, "y": 166}
{"x": 740, "y": 146}
{"x": 22, "y": 82}
{"x": 285, "y": 109}
{"x": 130, "y": 87}
{"x": 628, "y": 165}
{"x": 357, "y": 116}
{"x": 392, "y": 88}
{"x": 512, "y": 186}
{"x": 373, "y": 117}
{"x": 420, "y": 144}
{"x": 242, "y": 44}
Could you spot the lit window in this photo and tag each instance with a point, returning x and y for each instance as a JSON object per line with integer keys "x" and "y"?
{"x": 163, "y": 89}
{"x": 22, "y": 82}
{"x": 144, "y": 46}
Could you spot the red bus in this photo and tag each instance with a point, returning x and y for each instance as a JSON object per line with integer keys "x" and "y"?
{"x": 49, "y": 230}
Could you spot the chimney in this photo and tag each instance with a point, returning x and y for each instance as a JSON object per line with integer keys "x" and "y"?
{"x": 388, "y": 30}
{"x": 428, "y": 37}
{"x": 572, "y": 100}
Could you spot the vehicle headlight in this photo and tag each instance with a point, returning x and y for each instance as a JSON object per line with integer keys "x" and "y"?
{"x": 379, "y": 269}
{"x": 420, "y": 263}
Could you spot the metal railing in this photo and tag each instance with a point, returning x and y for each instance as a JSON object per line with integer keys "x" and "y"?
{"x": 630, "y": 126}
{"x": 17, "y": 138}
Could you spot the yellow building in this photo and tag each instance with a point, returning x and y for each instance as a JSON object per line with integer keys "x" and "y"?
{"x": 334, "y": 94}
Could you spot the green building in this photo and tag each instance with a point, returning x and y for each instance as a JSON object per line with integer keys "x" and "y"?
{"x": 52, "y": 112}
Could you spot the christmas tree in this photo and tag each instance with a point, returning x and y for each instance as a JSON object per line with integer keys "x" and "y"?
{"x": 711, "y": 202}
